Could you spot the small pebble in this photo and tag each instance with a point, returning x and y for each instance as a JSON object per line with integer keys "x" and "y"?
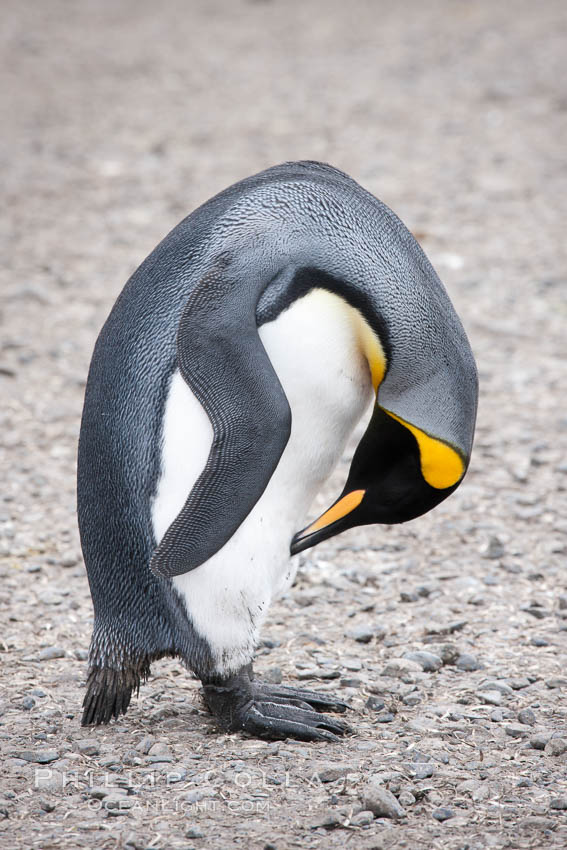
{"x": 146, "y": 744}
{"x": 333, "y": 772}
{"x": 406, "y": 798}
{"x": 477, "y": 790}
{"x": 408, "y": 596}
{"x": 538, "y": 822}
{"x": 540, "y": 740}
{"x": 518, "y": 684}
{"x": 364, "y": 818}
{"x": 28, "y": 703}
{"x": 443, "y": 814}
{"x": 159, "y": 749}
{"x": 556, "y": 747}
{"x": 49, "y": 780}
{"x": 195, "y": 832}
{"x": 308, "y": 673}
{"x": 477, "y": 600}
{"x": 88, "y": 747}
{"x": 45, "y": 756}
{"x": 449, "y": 653}
{"x": 385, "y": 718}
{"x": 50, "y": 598}
{"x": 329, "y": 674}
{"x": 556, "y": 682}
{"x": 330, "y": 820}
{"x": 490, "y": 697}
{"x": 273, "y": 676}
{"x": 412, "y": 699}
{"x": 494, "y": 549}
{"x": 70, "y": 559}
{"x": 539, "y": 640}
{"x": 428, "y": 661}
{"x": 422, "y": 770}
{"x": 398, "y": 667}
{"x": 468, "y": 663}
{"x": 527, "y": 716}
{"x": 361, "y": 634}
{"x": 374, "y": 704}
{"x": 559, "y": 804}
{"x": 516, "y": 730}
{"x": 109, "y": 761}
{"x": 446, "y": 628}
{"x": 497, "y": 685}
{"x": 51, "y": 652}
{"x": 536, "y": 611}
{"x": 48, "y": 805}
{"x": 380, "y": 801}
{"x": 99, "y": 792}
{"x": 118, "y": 804}
{"x": 304, "y": 600}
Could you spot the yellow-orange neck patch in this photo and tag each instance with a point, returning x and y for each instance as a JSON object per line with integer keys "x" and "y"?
{"x": 372, "y": 348}
{"x": 441, "y": 465}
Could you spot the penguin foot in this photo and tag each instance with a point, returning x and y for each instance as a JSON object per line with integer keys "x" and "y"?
{"x": 273, "y": 711}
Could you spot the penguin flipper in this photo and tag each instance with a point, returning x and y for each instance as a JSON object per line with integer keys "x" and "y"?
{"x": 222, "y": 359}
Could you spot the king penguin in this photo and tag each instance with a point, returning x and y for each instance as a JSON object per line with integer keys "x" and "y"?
{"x": 222, "y": 390}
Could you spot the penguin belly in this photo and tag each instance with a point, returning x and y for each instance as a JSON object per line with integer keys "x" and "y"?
{"x": 314, "y": 347}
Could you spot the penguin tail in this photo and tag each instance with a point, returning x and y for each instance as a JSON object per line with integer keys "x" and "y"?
{"x": 109, "y": 692}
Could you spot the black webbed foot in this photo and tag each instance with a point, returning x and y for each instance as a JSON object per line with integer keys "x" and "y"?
{"x": 273, "y": 711}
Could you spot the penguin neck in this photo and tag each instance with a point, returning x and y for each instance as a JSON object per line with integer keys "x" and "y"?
{"x": 321, "y": 352}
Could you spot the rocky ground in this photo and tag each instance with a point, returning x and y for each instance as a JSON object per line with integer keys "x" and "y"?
{"x": 447, "y": 636}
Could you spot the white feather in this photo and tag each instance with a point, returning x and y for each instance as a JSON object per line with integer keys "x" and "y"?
{"x": 315, "y": 350}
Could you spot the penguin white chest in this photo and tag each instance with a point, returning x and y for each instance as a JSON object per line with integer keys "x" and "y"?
{"x": 315, "y": 349}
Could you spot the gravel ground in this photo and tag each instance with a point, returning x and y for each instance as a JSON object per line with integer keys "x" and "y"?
{"x": 119, "y": 118}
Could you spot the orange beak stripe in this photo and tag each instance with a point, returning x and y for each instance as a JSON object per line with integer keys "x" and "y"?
{"x": 340, "y": 509}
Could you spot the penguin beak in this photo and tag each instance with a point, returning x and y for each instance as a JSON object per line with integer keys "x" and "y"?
{"x": 333, "y": 521}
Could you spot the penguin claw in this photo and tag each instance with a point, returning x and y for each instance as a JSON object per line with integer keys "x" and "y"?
{"x": 304, "y": 717}
{"x": 281, "y": 700}
{"x": 313, "y": 699}
{"x": 273, "y": 711}
{"x": 291, "y": 722}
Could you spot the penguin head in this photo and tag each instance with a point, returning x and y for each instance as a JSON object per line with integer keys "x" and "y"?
{"x": 417, "y": 446}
